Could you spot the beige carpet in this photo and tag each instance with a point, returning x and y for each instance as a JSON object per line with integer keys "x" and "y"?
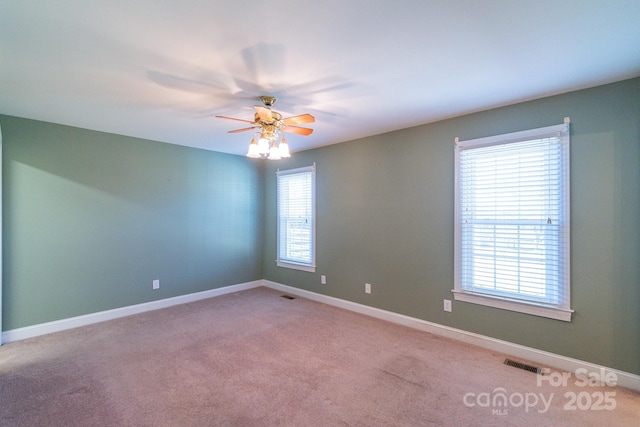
{"x": 254, "y": 358}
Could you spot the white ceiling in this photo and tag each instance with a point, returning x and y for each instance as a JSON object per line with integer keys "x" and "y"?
{"x": 162, "y": 69}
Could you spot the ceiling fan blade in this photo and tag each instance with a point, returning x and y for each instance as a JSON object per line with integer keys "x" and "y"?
{"x": 296, "y": 120}
{"x": 264, "y": 114}
{"x": 233, "y": 118}
{"x": 298, "y": 130}
{"x": 243, "y": 129}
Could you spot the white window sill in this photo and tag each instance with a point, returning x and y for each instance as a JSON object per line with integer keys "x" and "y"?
{"x": 536, "y": 310}
{"x": 294, "y": 266}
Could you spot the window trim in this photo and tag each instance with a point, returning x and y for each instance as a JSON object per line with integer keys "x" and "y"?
{"x": 310, "y": 267}
{"x": 562, "y": 312}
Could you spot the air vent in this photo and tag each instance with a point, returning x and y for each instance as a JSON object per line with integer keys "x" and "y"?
{"x": 288, "y": 297}
{"x": 523, "y": 366}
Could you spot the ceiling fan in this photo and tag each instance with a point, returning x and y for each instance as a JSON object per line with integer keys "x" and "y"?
{"x": 270, "y": 125}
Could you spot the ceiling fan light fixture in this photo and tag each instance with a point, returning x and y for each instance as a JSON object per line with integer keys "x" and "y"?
{"x": 253, "y": 152}
{"x": 263, "y": 145}
{"x": 274, "y": 152}
{"x": 283, "y": 148}
{"x": 272, "y": 126}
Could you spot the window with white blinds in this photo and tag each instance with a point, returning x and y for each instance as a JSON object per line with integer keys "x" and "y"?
{"x": 512, "y": 222}
{"x": 296, "y": 218}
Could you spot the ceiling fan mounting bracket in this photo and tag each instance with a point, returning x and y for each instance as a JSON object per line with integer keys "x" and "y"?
{"x": 268, "y": 101}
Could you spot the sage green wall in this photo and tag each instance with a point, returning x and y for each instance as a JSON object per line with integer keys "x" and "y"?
{"x": 90, "y": 219}
{"x": 385, "y": 216}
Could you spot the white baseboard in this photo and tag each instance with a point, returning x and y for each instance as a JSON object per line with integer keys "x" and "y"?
{"x": 101, "y": 316}
{"x": 544, "y": 358}
{"x": 551, "y": 360}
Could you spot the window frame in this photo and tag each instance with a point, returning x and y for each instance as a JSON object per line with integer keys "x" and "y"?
{"x": 283, "y": 261}
{"x": 496, "y": 299}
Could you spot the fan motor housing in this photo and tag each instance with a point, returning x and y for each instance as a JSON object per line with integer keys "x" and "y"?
{"x": 277, "y": 119}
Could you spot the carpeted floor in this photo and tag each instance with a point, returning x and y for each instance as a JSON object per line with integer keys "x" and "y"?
{"x": 254, "y": 358}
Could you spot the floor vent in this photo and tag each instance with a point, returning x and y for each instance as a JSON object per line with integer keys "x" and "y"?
{"x": 523, "y": 366}
{"x": 288, "y": 297}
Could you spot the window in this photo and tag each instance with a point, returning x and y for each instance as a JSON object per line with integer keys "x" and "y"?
{"x": 512, "y": 221}
{"x": 296, "y": 218}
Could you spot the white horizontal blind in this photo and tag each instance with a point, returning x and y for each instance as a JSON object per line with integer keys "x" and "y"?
{"x": 296, "y": 218}
{"x": 513, "y": 217}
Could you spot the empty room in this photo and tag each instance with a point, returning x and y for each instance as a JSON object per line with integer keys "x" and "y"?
{"x": 361, "y": 213}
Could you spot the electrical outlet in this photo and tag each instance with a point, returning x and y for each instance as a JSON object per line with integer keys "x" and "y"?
{"x": 447, "y": 305}
{"x": 156, "y": 284}
{"x": 367, "y": 288}
{"x": 323, "y": 279}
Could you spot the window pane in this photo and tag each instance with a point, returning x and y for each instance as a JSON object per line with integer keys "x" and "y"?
{"x": 296, "y": 217}
{"x": 512, "y": 218}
